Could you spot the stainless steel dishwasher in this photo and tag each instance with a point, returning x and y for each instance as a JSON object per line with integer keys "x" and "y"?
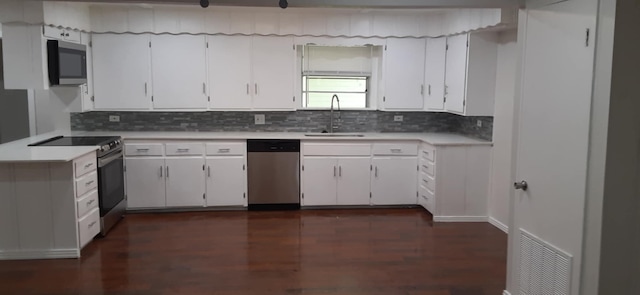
{"x": 273, "y": 168}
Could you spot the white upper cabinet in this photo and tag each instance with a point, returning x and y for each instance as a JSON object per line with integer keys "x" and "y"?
{"x": 434, "y": 74}
{"x": 273, "y": 73}
{"x": 404, "y": 74}
{"x": 471, "y": 74}
{"x": 456, "y": 73}
{"x": 179, "y": 72}
{"x": 229, "y": 72}
{"x": 121, "y": 72}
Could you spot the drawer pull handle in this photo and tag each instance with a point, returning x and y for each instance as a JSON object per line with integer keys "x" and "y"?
{"x": 92, "y": 224}
{"x": 142, "y": 150}
{"x": 183, "y": 150}
{"x": 425, "y": 152}
{"x": 224, "y": 150}
{"x": 88, "y": 165}
{"x": 425, "y": 181}
{"x": 89, "y": 183}
{"x": 425, "y": 166}
{"x": 396, "y": 150}
{"x": 90, "y": 202}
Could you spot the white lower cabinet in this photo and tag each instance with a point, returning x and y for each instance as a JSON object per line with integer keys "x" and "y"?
{"x": 393, "y": 181}
{"x": 226, "y": 181}
{"x": 145, "y": 183}
{"x": 185, "y": 181}
{"x": 336, "y": 181}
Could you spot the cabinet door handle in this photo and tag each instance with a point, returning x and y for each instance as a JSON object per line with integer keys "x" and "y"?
{"x": 422, "y": 89}
{"x": 429, "y": 89}
{"x": 209, "y": 171}
{"x": 145, "y": 89}
{"x": 167, "y": 171}
{"x": 340, "y": 171}
{"x": 204, "y": 88}
{"x": 334, "y": 171}
{"x": 247, "y": 88}
{"x": 256, "y": 88}
{"x": 161, "y": 171}
{"x": 376, "y": 174}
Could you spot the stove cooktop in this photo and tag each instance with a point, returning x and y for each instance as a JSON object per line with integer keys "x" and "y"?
{"x": 77, "y": 141}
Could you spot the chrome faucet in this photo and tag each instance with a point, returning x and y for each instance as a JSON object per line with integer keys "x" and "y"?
{"x": 335, "y": 96}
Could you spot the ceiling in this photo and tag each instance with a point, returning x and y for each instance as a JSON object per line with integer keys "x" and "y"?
{"x": 336, "y": 3}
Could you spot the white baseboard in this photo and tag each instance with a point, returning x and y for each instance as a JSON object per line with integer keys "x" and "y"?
{"x": 39, "y": 254}
{"x": 505, "y": 292}
{"x": 460, "y": 218}
{"x": 499, "y": 225}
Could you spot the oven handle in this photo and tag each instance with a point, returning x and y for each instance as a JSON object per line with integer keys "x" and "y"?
{"x": 104, "y": 161}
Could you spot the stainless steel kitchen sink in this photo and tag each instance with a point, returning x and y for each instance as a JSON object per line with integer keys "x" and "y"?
{"x": 334, "y": 135}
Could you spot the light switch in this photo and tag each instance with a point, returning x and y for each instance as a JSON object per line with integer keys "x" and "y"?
{"x": 260, "y": 119}
{"x": 114, "y": 118}
{"x": 398, "y": 118}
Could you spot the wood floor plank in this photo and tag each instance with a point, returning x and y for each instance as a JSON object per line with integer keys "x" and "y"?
{"x": 360, "y": 251}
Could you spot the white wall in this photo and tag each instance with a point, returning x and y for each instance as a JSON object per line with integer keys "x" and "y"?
{"x": 503, "y": 129}
{"x": 51, "y": 109}
{"x": 14, "y": 111}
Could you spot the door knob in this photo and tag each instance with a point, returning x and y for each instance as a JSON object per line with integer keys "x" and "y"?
{"x": 523, "y": 185}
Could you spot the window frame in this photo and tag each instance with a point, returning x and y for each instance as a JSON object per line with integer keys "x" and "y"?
{"x": 304, "y": 96}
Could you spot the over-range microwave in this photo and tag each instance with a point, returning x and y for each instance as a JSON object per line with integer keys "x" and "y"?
{"x": 67, "y": 63}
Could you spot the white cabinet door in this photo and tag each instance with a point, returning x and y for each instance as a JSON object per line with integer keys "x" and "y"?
{"x": 121, "y": 72}
{"x": 393, "y": 181}
{"x": 320, "y": 175}
{"x": 230, "y": 72}
{"x": 456, "y": 73}
{"x": 435, "y": 68}
{"x": 226, "y": 181}
{"x": 273, "y": 73}
{"x": 145, "y": 183}
{"x": 86, "y": 90}
{"x": 179, "y": 72}
{"x": 185, "y": 182}
{"x": 404, "y": 74}
{"x": 354, "y": 179}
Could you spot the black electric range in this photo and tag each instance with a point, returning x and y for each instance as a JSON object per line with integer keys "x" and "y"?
{"x": 107, "y": 144}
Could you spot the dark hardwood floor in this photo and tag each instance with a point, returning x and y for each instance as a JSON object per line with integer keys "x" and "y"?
{"x": 363, "y": 251}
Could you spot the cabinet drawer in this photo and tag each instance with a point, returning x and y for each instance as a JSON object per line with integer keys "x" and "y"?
{"x": 395, "y": 149}
{"x": 428, "y": 152}
{"x": 87, "y": 203}
{"x": 89, "y": 227}
{"x": 85, "y": 165}
{"x": 86, "y": 184}
{"x": 226, "y": 149}
{"x": 427, "y": 199}
{"x": 336, "y": 149}
{"x": 185, "y": 149}
{"x": 428, "y": 182}
{"x": 427, "y": 167}
{"x": 144, "y": 149}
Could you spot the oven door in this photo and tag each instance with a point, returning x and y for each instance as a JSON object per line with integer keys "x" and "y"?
{"x": 110, "y": 181}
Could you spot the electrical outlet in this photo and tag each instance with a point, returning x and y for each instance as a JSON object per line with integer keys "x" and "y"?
{"x": 479, "y": 123}
{"x": 114, "y": 118}
{"x": 398, "y": 118}
{"x": 260, "y": 120}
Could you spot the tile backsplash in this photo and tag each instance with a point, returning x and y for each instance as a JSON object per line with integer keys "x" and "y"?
{"x": 298, "y": 121}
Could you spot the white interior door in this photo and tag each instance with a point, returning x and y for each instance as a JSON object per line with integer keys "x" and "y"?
{"x": 230, "y": 72}
{"x": 273, "y": 73}
{"x": 354, "y": 180}
{"x": 179, "y": 71}
{"x": 552, "y": 148}
{"x": 404, "y": 74}
{"x": 145, "y": 183}
{"x": 456, "y": 73}
{"x": 121, "y": 71}
{"x": 185, "y": 182}
{"x": 226, "y": 181}
{"x": 435, "y": 67}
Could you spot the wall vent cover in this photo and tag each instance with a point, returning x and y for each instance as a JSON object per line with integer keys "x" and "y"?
{"x": 544, "y": 269}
